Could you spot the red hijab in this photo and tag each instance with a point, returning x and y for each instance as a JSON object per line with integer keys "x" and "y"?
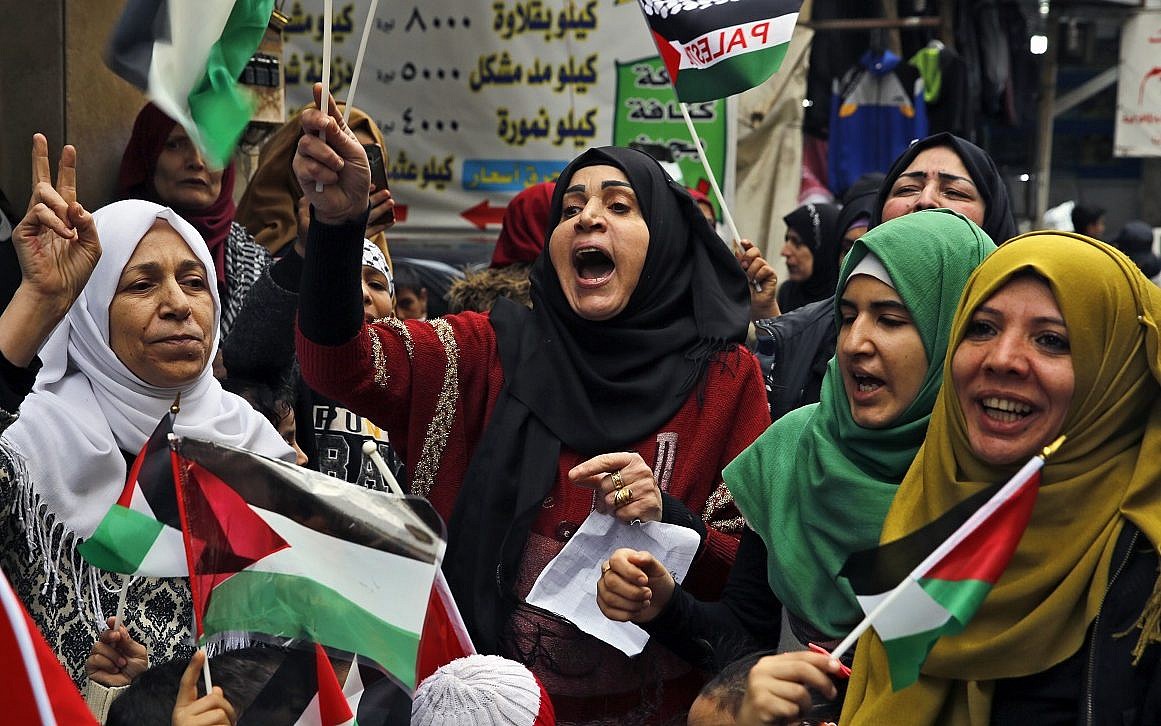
{"x": 135, "y": 181}
{"x": 525, "y": 226}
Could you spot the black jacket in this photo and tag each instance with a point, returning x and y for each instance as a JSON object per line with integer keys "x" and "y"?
{"x": 793, "y": 350}
{"x": 1099, "y": 685}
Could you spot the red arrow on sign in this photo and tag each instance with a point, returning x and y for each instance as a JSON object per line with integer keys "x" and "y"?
{"x": 483, "y": 214}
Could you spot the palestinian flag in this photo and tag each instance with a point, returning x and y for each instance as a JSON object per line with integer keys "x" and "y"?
{"x": 931, "y": 582}
{"x": 36, "y": 688}
{"x": 715, "y": 48}
{"x": 277, "y": 549}
{"x": 187, "y": 55}
{"x": 330, "y": 706}
{"x": 444, "y": 637}
{"x": 141, "y": 533}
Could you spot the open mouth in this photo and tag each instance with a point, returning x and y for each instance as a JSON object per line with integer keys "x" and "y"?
{"x": 592, "y": 263}
{"x": 867, "y": 384}
{"x": 1004, "y": 410}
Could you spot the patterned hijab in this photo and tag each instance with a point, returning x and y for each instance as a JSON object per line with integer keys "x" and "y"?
{"x": 816, "y": 485}
{"x": 1038, "y": 612}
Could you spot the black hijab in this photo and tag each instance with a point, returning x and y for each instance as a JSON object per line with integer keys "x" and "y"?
{"x": 859, "y": 201}
{"x": 594, "y": 387}
{"x": 998, "y": 220}
{"x": 817, "y": 227}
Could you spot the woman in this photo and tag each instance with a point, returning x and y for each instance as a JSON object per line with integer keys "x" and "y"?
{"x": 816, "y": 485}
{"x": 625, "y": 378}
{"x": 944, "y": 170}
{"x": 161, "y": 164}
{"x": 811, "y": 252}
{"x": 1069, "y": 633}
{"x": 269, "y": 207}
{"x": 142, "y": 330}
{"x": 940, "y": 171}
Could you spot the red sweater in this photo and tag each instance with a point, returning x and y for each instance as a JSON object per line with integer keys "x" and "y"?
{"x": 433, "y": 386}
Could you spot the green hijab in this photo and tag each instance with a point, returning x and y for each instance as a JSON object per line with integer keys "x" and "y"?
{"x": 816, "y": 486}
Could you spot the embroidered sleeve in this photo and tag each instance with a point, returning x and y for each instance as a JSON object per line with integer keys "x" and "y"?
{"x": 440, "y": 426}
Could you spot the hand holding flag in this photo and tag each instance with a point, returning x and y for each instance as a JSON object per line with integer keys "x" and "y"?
{"x": 912, "y": 599}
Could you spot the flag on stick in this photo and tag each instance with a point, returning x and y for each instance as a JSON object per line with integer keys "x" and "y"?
{"x": 713, "y": 49}
{"x": 37, "y": 689}
{"x": 277, "y": 549}
{"x": 141, "y": 533}
{"x": 187, "y": 55}
{"x": 445, "y": 637}
{"x": 330, "y": 706}
{"x": 931, "y": 582}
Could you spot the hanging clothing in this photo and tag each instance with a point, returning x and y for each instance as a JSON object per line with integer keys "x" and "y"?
{"x": 877, "y": 109}
{"x": 1038, "y": 613}
{"x": 945, "y": 91}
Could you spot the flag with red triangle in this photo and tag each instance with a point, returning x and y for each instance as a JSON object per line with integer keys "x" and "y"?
{"x": 277, "y": 549}
{"x": 141, "y": 532}
{"x": 330, "y": 706}
{"x": 931, "y": 582}
{"x": 36, "y": 688}
{"x": 713, "y": 49}
{"x": 444, "y": 637}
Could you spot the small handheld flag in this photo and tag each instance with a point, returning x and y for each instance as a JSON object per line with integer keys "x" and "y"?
{"x": 912, "y": 598}
{"x": 141, "y": 533}
{"x": 714, "y": 49}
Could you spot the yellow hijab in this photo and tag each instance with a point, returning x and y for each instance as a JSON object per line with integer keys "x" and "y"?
{"x": 269, "y": 207}
{"x": 1107, "y": 472}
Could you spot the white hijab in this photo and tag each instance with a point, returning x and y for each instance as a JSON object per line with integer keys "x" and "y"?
{"x": 86, "y": 406}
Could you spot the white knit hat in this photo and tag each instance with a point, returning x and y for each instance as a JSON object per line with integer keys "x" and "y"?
{"x": 481, "y": 690}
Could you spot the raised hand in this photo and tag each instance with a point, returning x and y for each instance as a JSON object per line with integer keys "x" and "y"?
{"x": 339, "y": 164}
{"x": 211, "y": 709}
{"x": 764, "y": 295}
{"x": 116, "y": 659}
{"x": 57, "y": 247}
{"x": 634, "y": 586}
{"x": 624, "y": 486}
{"x": 56, "y": 242}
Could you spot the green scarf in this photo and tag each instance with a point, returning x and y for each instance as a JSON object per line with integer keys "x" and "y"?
{"x": 816, "y": 486}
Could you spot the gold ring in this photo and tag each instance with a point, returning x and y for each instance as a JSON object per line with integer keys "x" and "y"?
{"x": 622, "y": 497}
{"x": 618, "y": 482}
